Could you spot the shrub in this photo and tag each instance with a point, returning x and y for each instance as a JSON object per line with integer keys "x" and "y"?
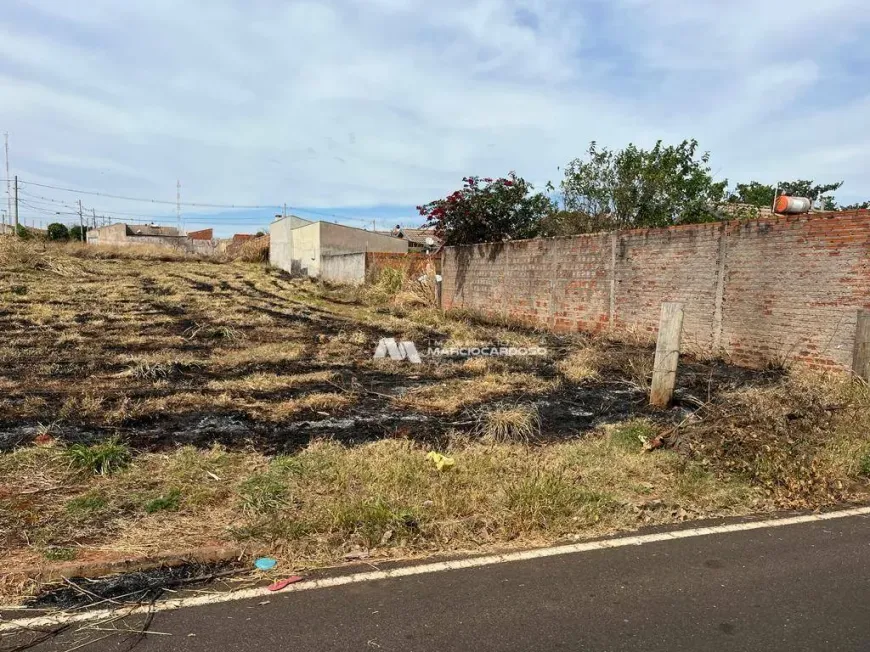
{"x": 798, "y": 439}
{"x": 75, "y": 233}
{"x": 58, "y": 232}
{"x": 488, "y": 210}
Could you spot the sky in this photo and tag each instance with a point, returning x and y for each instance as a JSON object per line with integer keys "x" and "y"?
{"x": 356, "y": 111}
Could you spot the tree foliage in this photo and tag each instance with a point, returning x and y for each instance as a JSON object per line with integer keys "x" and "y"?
{"x": 762, "y": 195}
{"x": 609, "y": 190}
{"x": 58, "y": 232}
{"x": 488, "y": 210}
{"x": 856, "y": 206}
{"x": 75, "y": 233}
{"x": 634, "y": 187}
{"x": 23, "y": 232}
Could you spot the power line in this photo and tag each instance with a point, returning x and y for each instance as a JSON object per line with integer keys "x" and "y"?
{"x": 151, "y": 201}
{"x": 211, "y": 219}
{"x": 43, "y": 210}
{"x": 216, "y": 218}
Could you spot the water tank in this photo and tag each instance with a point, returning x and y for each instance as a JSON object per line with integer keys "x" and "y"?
{"x": 792, "y": 205}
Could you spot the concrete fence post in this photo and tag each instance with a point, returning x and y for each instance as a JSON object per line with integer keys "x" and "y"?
{"x": 667, "y": 355}
{"x": 861, "y": 357}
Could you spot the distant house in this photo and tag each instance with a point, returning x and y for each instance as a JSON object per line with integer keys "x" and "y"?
{"x": 132, "y": 235}
{"x": 300, "y": 246}
{"x": 419, "y": 240}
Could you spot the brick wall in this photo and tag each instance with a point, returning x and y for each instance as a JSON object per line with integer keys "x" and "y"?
{"x": 772, "y": 289}
{"x": 412, "y": 264}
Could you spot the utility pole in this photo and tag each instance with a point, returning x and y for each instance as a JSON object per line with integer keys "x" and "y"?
{"x": 8, "y": 189}
{"x": 178, "y": 204}
{"x": 94, "y": 211}
{"x": 15, "y": 225}
{"x": 81, "y": 221}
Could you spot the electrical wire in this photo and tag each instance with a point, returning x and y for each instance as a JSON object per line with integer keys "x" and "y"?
{"x": 212, "y": 219}
{"x": 144, "y": 199}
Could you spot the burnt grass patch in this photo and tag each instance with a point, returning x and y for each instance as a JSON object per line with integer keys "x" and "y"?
{"x": 570, "y": 410}
{"x": 327, "y": 337}
{"x": 143, "y": 587}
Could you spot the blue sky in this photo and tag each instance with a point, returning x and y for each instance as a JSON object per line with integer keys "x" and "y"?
{"x": 362, "y": 110}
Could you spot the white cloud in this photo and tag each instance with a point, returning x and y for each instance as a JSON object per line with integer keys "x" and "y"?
{"x": 392, "y": 101}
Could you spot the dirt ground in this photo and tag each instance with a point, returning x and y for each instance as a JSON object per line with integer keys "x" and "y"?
{"x": 198, "y": 353}
{"x": 151, "y": 405}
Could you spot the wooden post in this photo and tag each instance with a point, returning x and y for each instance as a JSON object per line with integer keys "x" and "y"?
{"x": 861, "y": 359}
{"x": 667, "y": 355}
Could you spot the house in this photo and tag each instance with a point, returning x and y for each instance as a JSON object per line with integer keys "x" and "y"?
{"x": 300, "y": 246}
{"x": 420, "y": 241}
{"x": 132, "y": 235}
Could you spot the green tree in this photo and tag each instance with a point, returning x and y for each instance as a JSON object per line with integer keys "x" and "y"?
{"x": 23, "y": 232}
{"x": 753, "y": 194}
{"x": 855, "y": 207}
{"x": 58, "y": 232}
{"x": 762, "y": 195}
{"x": 75, "y": 233}
{"x": 488, "y": 210}
{"x": 634, "y": 187}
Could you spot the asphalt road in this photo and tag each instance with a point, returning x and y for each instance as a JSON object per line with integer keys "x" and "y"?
{"x": 799, "y": 587}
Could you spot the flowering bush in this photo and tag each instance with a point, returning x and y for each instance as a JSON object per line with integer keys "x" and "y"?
{"x": 488, "y": 210}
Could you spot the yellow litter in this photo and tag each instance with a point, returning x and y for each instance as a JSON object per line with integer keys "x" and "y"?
{"x": 440, "y": 461}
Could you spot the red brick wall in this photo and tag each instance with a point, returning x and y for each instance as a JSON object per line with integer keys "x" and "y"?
{"x": 204, "y": 234}
{"x": 675, "y": 264}
{"x": 772, "y": 289}
{"x": 793, "y": 286}
{"x": 411, "y": 264}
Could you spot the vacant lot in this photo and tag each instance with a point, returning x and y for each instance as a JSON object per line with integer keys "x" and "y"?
{"x": 151, "y": 405}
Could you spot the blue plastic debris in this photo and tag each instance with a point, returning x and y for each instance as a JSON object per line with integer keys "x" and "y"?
{"x": 265, "y": 563}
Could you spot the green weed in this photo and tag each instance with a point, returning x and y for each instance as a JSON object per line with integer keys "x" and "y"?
{"x": 263, "y": 493}
{"x": 169, "y": 502}
{"x": 632, "y": 434}
{"x": 550, "y": 501}
{"x": 87, "y": 504}
{"x": 371, "y": 519}
{"x": 59, "y": 554}
{"x": 105, "y": 458}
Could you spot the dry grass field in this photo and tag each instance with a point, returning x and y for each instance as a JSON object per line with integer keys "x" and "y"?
{"x": 152, "y": 402}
